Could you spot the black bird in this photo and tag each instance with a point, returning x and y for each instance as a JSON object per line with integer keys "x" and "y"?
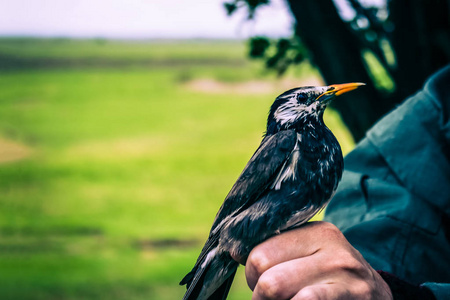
{"x": 289, "y": 178}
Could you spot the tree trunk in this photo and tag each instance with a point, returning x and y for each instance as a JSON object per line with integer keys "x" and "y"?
{"x": 419, "y": 41}
{"x": 420, "y": 26}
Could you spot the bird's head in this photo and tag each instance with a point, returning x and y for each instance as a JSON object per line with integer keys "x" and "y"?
{"x": 301, "y": 106}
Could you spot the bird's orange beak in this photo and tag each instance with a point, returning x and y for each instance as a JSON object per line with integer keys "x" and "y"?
{"x": 336, "y": 90}
{"x": 339, "y": 89}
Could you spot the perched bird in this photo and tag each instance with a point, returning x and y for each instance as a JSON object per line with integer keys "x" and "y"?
{"x": 289, "y": 178}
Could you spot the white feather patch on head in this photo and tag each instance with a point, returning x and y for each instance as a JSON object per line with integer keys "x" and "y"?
{"x": 292, "y": 111}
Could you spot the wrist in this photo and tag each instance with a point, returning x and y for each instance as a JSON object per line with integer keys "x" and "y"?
{"x": 403, "y": 290}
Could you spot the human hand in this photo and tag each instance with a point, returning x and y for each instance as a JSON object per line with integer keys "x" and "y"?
{"x": 314, "y": 261}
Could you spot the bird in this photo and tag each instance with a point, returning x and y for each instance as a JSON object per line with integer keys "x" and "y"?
{"x": 291, "y": 176}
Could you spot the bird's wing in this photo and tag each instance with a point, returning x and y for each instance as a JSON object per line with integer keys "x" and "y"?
{"x": 258, "y": 174}
{"x": 256, "y": 177}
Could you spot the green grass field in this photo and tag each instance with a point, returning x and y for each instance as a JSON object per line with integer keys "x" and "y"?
{"x": 127, "y": 153}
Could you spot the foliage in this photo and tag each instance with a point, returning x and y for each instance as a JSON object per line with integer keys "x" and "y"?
{"x": 252, "y": 5}
{"x": 278, "y": 55}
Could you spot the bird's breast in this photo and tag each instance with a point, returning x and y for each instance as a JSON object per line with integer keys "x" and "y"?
{"x": 315, "y": 163}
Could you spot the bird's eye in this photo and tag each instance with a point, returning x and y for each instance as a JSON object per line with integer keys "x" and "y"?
{"x": 301, "y": 98}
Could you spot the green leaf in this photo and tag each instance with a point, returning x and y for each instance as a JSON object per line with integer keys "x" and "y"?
{"x": 230, "y": 7}
{"x": 258, "y": 47}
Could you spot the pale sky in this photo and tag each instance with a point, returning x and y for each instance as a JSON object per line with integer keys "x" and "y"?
{"x": 139, "y": 19}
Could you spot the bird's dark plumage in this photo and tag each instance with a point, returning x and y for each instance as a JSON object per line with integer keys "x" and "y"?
{"x": 289, "y": 178}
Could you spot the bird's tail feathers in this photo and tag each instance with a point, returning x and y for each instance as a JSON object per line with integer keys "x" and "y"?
{"x": 212, "y": 278}
{"x": 189, "y": 277}
{"x": 194, "y": 283}
{"x": 222, "y": 292}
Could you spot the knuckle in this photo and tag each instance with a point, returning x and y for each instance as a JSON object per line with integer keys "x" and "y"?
{"x": 349, "y": 262}
{"x": 328, "y": 230}
{"x": 258, "y": 261}
{"x": 359, "y": 268}
{"x": 344, "y": 260}
{"x": 363, "y": 290}
{"x": 270, "y": 286}
{"x": 308, "y": 293}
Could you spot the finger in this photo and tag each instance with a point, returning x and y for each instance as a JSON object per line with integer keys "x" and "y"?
{"x": 325, "y": 291}
{"x": 296, "y": 243}
{"x": 281, "y": 281}
{"x": 284, "y": 280}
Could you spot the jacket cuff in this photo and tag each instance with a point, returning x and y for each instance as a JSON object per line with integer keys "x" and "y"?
{"x": 402, "y": 290}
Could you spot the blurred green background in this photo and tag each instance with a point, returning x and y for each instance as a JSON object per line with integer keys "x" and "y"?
{"x": 115, "y": 157}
